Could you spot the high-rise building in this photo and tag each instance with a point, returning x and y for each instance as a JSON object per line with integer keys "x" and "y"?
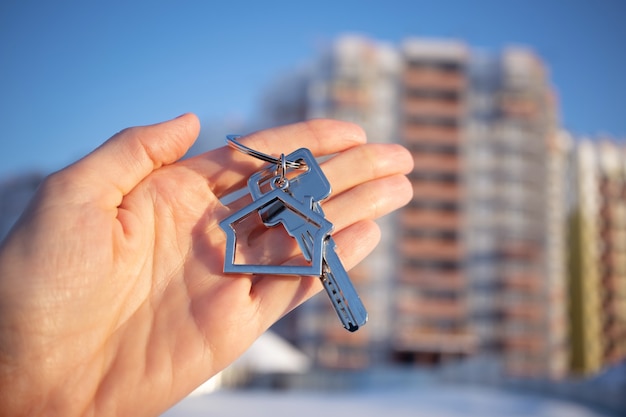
{"x": 354, "y": 80}
{"x": 584, "y": 294}
{"x": 612, "y": 242}
{"x": 556, "y": 362}
{"x": 431, "y": 311}
{"x": 597, "y": 256}
{"x": 514, "y": 218}
{"x": 475, "y": 263}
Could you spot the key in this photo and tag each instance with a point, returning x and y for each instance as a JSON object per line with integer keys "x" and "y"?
{"x": 296, "y": 186}
{"x": 335, "y": 279}
{"x": 309, "y": 188}
{"x": 338, "y": 286}
{"x": 342, "y": 294}
{"x": 309, "y": 185}
{"x": 304, "y": 229}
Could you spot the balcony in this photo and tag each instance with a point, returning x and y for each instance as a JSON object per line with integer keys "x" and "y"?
{"x": 611, "y": 189}
{"x": 428, "y": 340}
{"x": 432, "y": 219}
{"x": 353, "y": 97}
{"x": 429, "y": 279}
{"x": 615, "y": 284}
{"x": 527, "y": 283}
{"x": 427, "y": 190}
{"x": 532, "y": 344}
{"x": 520, "y": 250}
{"x": 430, "y": 134}
{"x": 434, "y": 78}
{"x": 524, "y": 312}
{"x": 616, "y": 308}
{"x": 422, "y": 307}
{"x": 613, "y": 238}
{"x": 613, "y": 259}
{"x": 432, "y": 107}
{"x": 431, "y": 249}
{"x": 520, "y": 107}
{"x": 615, "y": 331}
{"x": 614, "y": 354}
{"x": 614, "y": 214}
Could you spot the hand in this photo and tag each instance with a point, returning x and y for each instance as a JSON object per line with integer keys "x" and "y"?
{"x": 112, "y": 296}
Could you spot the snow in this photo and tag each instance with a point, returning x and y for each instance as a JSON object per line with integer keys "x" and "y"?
{"x": 377, "y": 393}
{"x": 432, "y": 400}
{"x": 272, "y": 354}
{"x": 269, "y": 354}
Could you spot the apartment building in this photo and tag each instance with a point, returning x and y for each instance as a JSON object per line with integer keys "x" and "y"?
{"x": 354, "y": 80}
{"x": 431, "y": 312}
{"x": 515, "y": 169}
{"x": 597, "y": 232}
{"x": 612, "y": 242}
{"x": 474, "y": 265}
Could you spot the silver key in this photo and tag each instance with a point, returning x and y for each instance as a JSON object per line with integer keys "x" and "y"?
{"x": 271, "y": 197}
{"x": 334, "y": 277}
{"x": 308, "y": 185}
{"x": 309, "y": 235}
{"x": 309, "y": 188}
{"x": 339, "y": 288}
{"x": 296, "y": 186}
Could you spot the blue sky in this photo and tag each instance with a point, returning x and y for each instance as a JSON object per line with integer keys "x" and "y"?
{"x": 74, "y": 73}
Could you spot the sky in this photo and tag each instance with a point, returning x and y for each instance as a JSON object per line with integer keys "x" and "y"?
{"x": 74, "y": 73}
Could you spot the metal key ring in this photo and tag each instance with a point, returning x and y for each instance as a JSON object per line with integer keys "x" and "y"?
{"x": 233, "y": 143}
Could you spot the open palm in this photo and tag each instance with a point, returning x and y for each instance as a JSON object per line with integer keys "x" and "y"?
{"x": 112, "y": 295}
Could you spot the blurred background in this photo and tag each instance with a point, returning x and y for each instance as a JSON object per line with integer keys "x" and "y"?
{"x": 499, "y": 290}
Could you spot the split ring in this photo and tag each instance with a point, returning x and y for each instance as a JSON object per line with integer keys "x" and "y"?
{"x": 282, "y": 161}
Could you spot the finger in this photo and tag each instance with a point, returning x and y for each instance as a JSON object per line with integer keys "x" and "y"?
{"x": 227, "y": 169}
{"x": 368, "y": 201}
{"x": 366, "y": 163}
{"x": 357, "y": 165}
{"x": 275, "y": 296}
{"x": 258, "y": 244}
{"x": 117, "y": 166}
{"x": 373, "y": 198}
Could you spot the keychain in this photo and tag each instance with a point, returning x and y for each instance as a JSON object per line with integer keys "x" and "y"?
{"x": 288, "y": 192}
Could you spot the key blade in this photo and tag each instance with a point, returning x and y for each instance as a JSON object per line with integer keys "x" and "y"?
{"x": 343, "y": 295}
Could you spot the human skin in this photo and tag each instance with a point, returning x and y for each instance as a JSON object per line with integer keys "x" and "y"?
{"x": 112, "y": 297}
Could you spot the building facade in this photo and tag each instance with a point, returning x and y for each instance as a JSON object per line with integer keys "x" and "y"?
{"x": 354, "y": 80}
{"x": 431, "y": 314}
{"x": 475, "y": 265}
{"x": 514, "y": 217}
{"x": 597, "y": 232}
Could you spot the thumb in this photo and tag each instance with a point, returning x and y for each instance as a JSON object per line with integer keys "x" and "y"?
{"x": 118, "y": 165}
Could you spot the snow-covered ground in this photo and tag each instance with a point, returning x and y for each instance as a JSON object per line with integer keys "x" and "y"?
{"x": 430, "y": 400}
{"x": 469, "y": 389}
